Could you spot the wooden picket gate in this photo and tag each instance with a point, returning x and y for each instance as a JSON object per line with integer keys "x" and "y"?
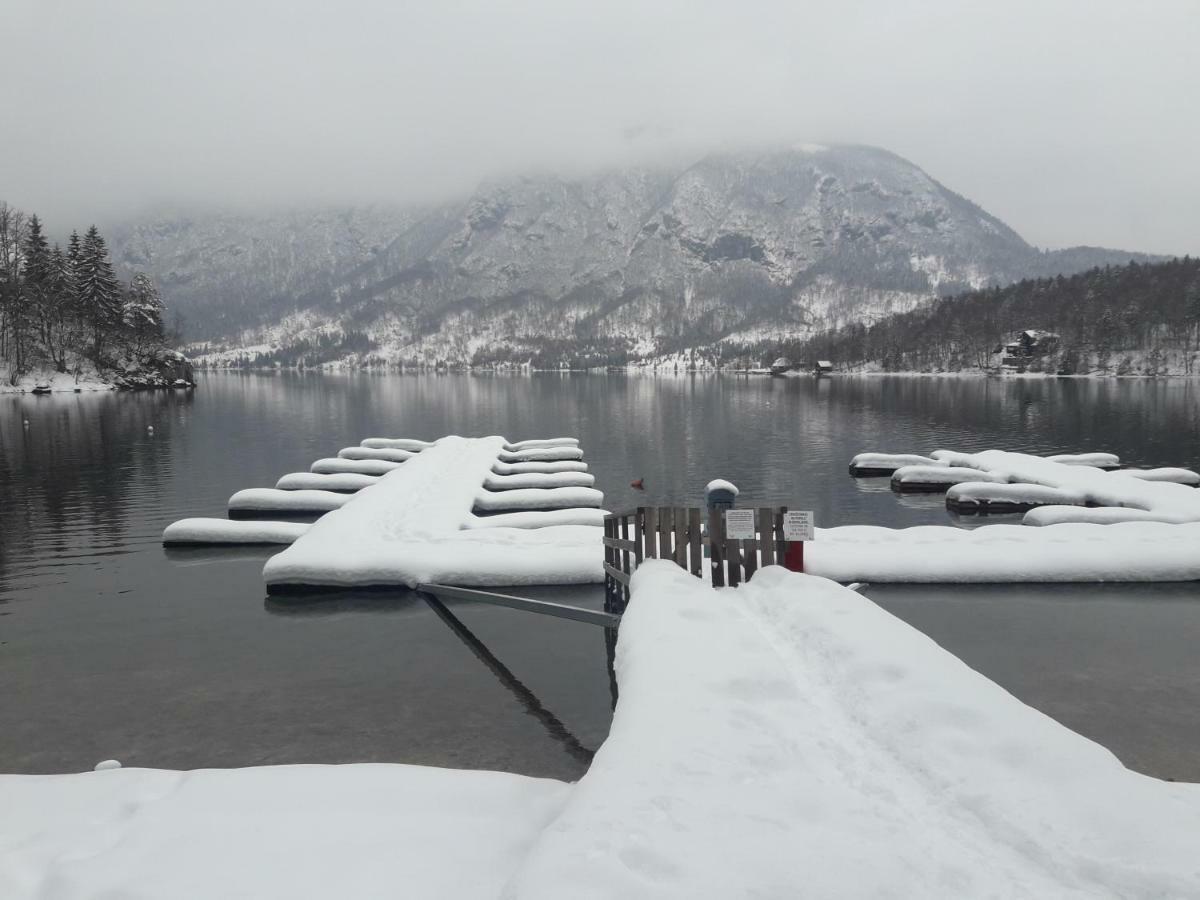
{"x": 674, "y": 533}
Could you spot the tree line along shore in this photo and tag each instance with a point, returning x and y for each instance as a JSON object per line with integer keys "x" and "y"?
{"x": 66, "y": 316}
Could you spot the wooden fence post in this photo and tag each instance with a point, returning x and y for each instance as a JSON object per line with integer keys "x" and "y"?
{"x": 696, "y": 541}
{"x": 716, "y": 545}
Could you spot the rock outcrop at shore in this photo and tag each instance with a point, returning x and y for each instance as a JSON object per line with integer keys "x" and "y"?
{"x": 160, "y": 369}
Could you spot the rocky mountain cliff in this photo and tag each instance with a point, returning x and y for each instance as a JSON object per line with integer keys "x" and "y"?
{"x": 733, "y": 250}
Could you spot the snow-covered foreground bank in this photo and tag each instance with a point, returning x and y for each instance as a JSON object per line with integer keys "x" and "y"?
{"x": 270, "y": 833}
{"x": 787, "y": 738}
{"x": 792, "y": 739}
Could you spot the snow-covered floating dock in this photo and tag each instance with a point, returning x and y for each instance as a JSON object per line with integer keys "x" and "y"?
{"x": 400, "y": 512}
{"x": 421, "y": 523}
{"x": 1098, "y": 524}
{"x": 786, "y": 738}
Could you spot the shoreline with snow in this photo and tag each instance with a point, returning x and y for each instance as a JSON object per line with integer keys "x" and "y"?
{"x": 340, "y": 367}
{"x": 160, "y": 370}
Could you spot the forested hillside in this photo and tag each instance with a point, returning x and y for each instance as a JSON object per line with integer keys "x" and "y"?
{"x": 1134, "y": 319}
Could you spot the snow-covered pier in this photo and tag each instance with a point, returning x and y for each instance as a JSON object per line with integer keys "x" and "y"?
{"x": 784, "y": 738}
{"x": 398, "y": 512}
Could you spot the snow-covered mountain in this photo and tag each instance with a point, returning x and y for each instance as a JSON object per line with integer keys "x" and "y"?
{"x": 735, "y": 249}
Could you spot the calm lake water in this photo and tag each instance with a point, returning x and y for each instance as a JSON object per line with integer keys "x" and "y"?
{"x": 112, "y": 647}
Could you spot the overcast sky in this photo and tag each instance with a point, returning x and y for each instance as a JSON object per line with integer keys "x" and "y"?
{"x": 1074, "y": 121}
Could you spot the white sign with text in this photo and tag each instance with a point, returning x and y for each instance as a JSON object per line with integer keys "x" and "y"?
{"x": 798, "y": 525}
{"x": 739, "y": 524}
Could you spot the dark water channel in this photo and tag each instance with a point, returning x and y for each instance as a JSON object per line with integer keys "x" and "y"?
{"x": 111, "y": 647}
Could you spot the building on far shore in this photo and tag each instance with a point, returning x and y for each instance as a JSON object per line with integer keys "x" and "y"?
{"x": 1025, "y": 347}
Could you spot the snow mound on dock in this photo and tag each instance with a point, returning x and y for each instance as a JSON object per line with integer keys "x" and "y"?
{"x": 538, "y": 498}
{"x": 562, "y": 465}
{"x": 384, "y": 453}
{"x": 790, "y": 738}
{"x": 1104, "y": 515}
{"x": 1168, "y": 473}
{"x": 942, "y": 475}
{"x": 541, "y": 454}
{"x": 271, "y": 833}
{"x": 337, "y": 465}
{"x": 887, "y": 463}
{"x": 1075, "y": 551}
{"x": 409, "y": 444}
{"x": 542, "y": 442}
{"x": 975, "y": 492}
{"x": 226, "y": 531}
{"x": 495, "y": 482}
{"x": 313, "y": 481}
{"x": 275, "y": 500}
{"x": 1091, "y": 460}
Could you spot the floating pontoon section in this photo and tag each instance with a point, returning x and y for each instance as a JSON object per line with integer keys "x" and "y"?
{"x": 868, "y": 465}
{"x": 935, "y": 478}
{"x": 1090, "y": 460}
{"x": 566, "y": 465}
{"x": 462, "y": 511}
{"x": 537, "y": 498}
{"x": 983, "y": 496}
{"x": 338, "y": 465}
{"x": 396, "y": 456}
{"x": 342, "y": 481}
{"x": 1067, "y": 552}
{"x": 257, "y": 501}
{"x": 496, "y": 482}
{"x": 1173, "y": 475}
{"x": 223, "y": 531}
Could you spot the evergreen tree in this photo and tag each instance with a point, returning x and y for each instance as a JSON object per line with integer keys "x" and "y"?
{"x": 99, "y": 292}
{"x": 14, "y": 317}
{"x": 37, "y": 283}
{"x": 60, "y": 314}
{"x": 143, "y": 311}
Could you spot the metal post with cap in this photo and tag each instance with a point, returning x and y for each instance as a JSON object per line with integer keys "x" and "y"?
{"x": 719, "y": 496}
